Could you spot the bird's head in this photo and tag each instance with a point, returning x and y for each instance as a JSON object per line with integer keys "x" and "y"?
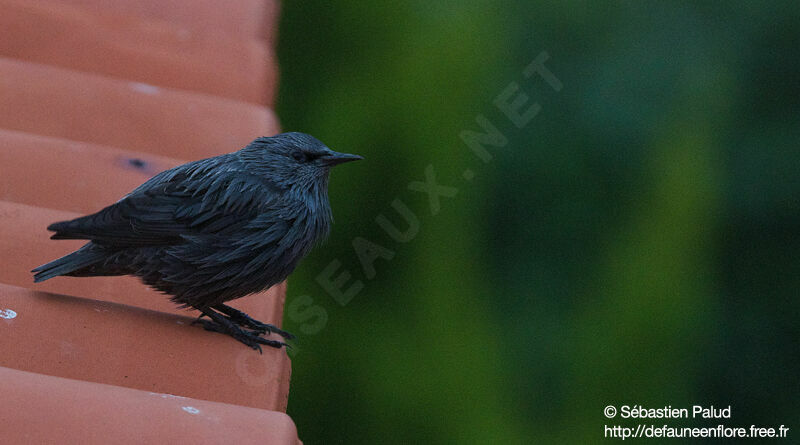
{"x": 294, "y": 160}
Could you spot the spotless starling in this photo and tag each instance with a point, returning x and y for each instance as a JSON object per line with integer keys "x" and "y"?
{"x": 213, "y": 230}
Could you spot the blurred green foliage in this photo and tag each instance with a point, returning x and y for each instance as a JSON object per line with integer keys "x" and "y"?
{"x": 636, "y": 243}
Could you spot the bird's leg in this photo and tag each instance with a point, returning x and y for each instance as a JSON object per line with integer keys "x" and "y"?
{"x": 220, "y": 323}
{"x": 244, "y": 320}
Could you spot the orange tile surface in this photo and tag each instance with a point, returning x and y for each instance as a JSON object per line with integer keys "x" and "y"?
{"x": 121, "y": 345}
{"x": 240, "y": 18}
{"x": 98, "y": 96}
{"x": 73, "y": 176}
{"x": 43, "y": 409}
{"x": 91, "y": 108}
{"x": 26, "y": 239}
{"x": 103, "y": 342}
{"x": 135, "y": 48}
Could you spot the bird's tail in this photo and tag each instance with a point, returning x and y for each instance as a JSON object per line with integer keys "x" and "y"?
{"x": 83, "y": 257}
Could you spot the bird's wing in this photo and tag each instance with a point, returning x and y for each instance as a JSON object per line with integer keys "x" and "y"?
{"x": 172, "y": 206}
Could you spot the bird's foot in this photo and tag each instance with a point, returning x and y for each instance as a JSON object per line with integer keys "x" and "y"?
{"x": 244, "y": 320}
{"x": 254, "y": 340}
{"x": 264, "y": 328}
{"x": 248, "y": 337}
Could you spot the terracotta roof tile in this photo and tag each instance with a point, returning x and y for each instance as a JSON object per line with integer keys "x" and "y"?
{"x": 73, "y": 176}
{"x": 98, "y": 95}
{"x": 42, "y": 409}
{"x": 136, "y": 49}
{"x": 92, "y": 108}
{"x": 103, "y": 342}
{"x": 240, "y": 18}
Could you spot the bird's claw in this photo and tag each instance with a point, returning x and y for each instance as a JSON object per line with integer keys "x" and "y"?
{"x": 244, "y": 320}
{"x": 265, "y": 328}
{"x": 251, "y": 338}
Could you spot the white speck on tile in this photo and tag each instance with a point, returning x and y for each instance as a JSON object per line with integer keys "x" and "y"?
{"x": 145, "y": 88}
{"x": 166, "y": 396}
{"x": 179, "y": 322}
{"x": 191, "y": 410}
{"x": 8, "y": 314}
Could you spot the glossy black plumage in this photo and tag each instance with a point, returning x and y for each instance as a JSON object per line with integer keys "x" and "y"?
{"x": 213, "y": 230}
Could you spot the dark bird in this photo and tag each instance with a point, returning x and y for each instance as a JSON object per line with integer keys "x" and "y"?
{"x": 213, "y": 230}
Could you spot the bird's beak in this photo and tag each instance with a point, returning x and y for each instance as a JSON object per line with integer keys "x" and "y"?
{"x": 335, "y": 158}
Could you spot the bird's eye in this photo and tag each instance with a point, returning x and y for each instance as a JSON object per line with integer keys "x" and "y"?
{"x": 299, "y": 156}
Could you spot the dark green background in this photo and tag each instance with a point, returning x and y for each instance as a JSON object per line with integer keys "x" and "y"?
{"x": 636, "y": 243}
